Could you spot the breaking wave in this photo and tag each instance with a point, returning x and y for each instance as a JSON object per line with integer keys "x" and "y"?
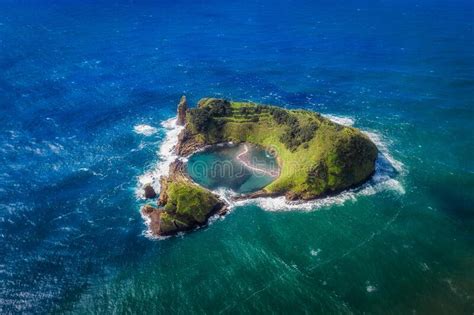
{"x": 166, "y": 156}
{"x": 342, "y": 120}
{"x": 145, "y": 130}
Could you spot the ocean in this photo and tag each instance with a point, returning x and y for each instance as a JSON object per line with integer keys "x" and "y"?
{"x": 88, "y": 93}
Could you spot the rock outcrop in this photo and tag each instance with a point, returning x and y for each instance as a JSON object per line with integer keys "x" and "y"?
{"x": 187, "y": 144}
{"x": 176, "y": 174}
{"x": 149, "y": 192}
{"x": 182, "y": 205}
{"x": 153, "y": 215}
{"x": 254, "y": 195}
{"x": 182, "y": 108}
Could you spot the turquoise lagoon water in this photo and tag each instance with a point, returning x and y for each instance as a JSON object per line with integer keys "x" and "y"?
{"x": 219, "y": 167}
{"x": 85, "y": 91}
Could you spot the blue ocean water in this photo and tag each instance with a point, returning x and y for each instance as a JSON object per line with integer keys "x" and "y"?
{"x": 77, "y": 77}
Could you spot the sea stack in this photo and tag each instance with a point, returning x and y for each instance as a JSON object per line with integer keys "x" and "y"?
{"x": 149, "y": 192}
{"x": 182, "y": 108}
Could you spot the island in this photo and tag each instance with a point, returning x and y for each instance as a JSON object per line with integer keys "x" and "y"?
{"x": 317, "y": 157}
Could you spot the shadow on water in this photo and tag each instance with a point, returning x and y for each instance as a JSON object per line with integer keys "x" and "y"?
{"x": 449, "y": 193}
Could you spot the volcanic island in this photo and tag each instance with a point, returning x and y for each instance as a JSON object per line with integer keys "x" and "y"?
{"x": 316, "y": 158}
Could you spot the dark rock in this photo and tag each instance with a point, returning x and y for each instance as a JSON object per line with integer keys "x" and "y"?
{"x": 257, "y": 194}
{"x": 291, "y": 196}
{"x": 149, "y": 191}
{"x": 182, "y": 108}
{"x": 163, "y": 191}
{"x": 223, "y": 210}
{"x": 147, "y": 210}
{"x": 153, "y": 214}
{"x": 187, "y": 143}
{"x": 176, "y": 169}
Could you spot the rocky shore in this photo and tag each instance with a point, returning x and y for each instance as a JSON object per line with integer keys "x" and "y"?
{"x": 182, "y": 205}
{"x": 318, "y": 158}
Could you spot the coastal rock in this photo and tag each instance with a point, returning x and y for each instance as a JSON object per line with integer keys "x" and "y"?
{"x": 160, "y": 223}
{"x": 163, "y": 199}
{"x": 176, "y": 170}
{"x": 176, "y": 173}
{"x": 182, "y": 108}
{"x": 292, "y": 196}
{"x": 256, "y": 194}
{"x": 148, "y": 191}
{"x": 223, "y": 210}
{"x": 147, "y": 210}
{"x": 183, "y": 205}
{"x": 187, "y": 144}
{"x": 153, "y": 215}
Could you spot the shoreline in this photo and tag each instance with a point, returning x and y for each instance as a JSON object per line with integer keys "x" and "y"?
{"x": 249, "y": 166}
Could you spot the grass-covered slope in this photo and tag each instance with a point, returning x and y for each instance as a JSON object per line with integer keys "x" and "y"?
{"x": 183, "y": 204}
{"x": 317, "y": 156}
{"x": 190, "y": 202}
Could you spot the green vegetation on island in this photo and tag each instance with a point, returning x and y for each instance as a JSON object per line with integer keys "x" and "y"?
{"x": 317, "y": 157}
{"x": 188, "y": 205}
{"x": 183, "y": 204}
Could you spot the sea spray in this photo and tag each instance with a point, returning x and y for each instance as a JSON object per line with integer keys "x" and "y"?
{"x": 166, "y": 155}
{"x": 341, "y": 120}
{"x": 145, "y": 130}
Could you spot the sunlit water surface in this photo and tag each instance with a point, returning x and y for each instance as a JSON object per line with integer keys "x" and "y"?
{"x": 85, "y": 89}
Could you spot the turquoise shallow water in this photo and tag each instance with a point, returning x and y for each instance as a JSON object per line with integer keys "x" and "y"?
{"x": 78, "y": 81}
{"x": 220, "y": 168}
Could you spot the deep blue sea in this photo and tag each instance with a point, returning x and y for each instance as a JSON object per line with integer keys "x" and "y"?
{"x": 78, "y": 79}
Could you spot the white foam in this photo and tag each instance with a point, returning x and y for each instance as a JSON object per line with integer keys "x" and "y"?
{"x": 226, "y": 194}
{"x": 342, "y": 120}
{"x": 147, "y": 233}
{"x": 381, "y": 181}
{"x": 371, "y": 288}
{"x": 281, "y": 204}
{"x": 55, "y": 147}
{"x": 145, "y": 130}
{"x": 166, "y": 155}
{"x": 381, "y": 144}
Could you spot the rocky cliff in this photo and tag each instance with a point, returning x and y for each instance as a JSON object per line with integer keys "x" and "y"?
{"x": 182, "y": 205}
{"x": 182, "y": 109}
